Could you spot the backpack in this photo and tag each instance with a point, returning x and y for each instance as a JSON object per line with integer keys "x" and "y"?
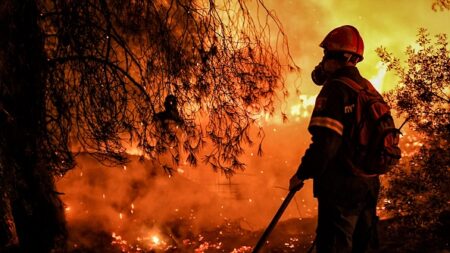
{"x": 372, "y": 148}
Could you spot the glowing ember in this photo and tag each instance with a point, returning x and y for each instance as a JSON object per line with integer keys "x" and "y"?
{"x": 160, "y": 200}
{"x": 242, "y": 249}
{"x": 156, "y": 240}
{"x": 207, "y": 245}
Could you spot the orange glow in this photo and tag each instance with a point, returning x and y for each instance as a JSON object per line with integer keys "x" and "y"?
{"x": 155, "y": 240}
{"x": 378, "y": 79}
{"x": 302, "y": 110}
{"x": 205, "y": 200}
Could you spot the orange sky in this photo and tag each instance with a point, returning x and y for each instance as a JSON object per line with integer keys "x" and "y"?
{"x": 392, "y": 24}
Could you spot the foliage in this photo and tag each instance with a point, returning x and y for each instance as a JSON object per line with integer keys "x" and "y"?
{"x": 418, "y": 192}
{"x": 423, "y": 93}
{"x": 171, "y": 77}
{"x": 441, "y": 5}
{"x": 418, "y": 198}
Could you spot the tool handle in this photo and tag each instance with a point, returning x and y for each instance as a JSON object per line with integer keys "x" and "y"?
{"x": 274, "y": 221}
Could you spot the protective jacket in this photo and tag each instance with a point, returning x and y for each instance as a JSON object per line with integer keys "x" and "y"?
{"x": 324, "y": 160}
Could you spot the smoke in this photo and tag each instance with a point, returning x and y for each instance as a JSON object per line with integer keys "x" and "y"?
{"x": 139, "y": 200}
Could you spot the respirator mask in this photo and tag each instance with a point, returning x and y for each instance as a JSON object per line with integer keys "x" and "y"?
{"x": 318, "y": 75}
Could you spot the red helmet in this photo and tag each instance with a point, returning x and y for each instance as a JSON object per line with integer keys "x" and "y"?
{"x": 344, "y": 39}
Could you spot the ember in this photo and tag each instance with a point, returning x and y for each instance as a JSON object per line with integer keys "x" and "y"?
{"x": 197, "y": 210}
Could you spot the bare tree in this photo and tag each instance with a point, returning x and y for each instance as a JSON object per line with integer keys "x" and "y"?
{"x": 182, "y": 80}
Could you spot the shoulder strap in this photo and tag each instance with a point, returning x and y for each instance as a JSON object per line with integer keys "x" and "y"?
{"x": 350, "y": 83}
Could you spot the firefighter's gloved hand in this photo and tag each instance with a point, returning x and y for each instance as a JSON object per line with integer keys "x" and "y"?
{"x": 295, "y": 184}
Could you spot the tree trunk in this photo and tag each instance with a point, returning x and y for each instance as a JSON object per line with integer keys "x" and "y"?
{"x": 31, "y": 213}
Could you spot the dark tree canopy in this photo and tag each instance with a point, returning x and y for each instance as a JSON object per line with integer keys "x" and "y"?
{"x": 113, "y": 66}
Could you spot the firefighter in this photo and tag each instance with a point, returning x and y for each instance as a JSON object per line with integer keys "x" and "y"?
{"x": 347, "y": 203}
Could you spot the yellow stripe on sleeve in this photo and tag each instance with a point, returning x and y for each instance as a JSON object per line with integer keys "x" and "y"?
{"x": 328, "y": 123}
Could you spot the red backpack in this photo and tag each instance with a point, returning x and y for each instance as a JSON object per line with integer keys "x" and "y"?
{"x": 372, "y": 148}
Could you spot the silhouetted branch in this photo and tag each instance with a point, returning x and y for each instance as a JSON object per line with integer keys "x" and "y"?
{"x": 112, "y": 66}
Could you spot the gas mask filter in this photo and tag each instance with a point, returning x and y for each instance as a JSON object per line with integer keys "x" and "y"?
{"x": 318, "y": 75}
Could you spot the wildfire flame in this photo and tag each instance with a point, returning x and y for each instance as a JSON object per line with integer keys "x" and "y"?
{"x": 155, "y": 240}
{"x": 378, "y": 79}
{"x": 304, "y": 107}
{"x": 298, "y": 108}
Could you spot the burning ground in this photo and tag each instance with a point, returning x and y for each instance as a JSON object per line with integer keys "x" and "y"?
{"x": 139, "y": 208}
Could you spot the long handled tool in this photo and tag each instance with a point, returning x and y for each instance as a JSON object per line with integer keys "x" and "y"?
{"x": 274, "y": 221}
